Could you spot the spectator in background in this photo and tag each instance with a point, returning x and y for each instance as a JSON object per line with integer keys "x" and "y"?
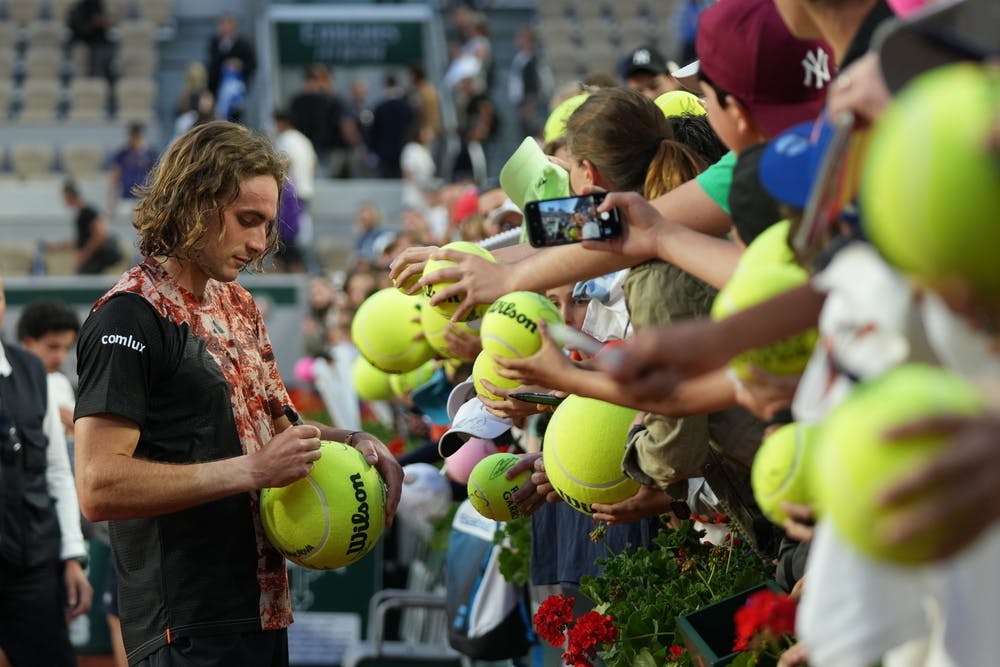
{"x": 96, "y": 247}
{"x": 529, "y": 83}
{"x": 427, "y": 103}
{"x": 42, "y": 550}
{"x": 647, "y": 72}
{"x": 229, "y": 50}
{"x": 203, "y": 112}
{"x": 477, "y": 125}
{"x": 48, "y": 329}
{"x": 88, "y": 22}
{"x": 391, "y": 120}
{"x": 317, "y": 112}
{"x": 356, "y": 126}
{"x": 127, "y": 169}
{"x": 370, "y": 236}
{"x": 195, "y": 83}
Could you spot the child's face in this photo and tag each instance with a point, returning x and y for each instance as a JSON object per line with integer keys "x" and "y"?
{"x": 52, "y": 348}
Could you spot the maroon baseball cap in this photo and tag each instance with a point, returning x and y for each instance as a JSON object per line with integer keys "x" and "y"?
{"x": 745, "y": 49}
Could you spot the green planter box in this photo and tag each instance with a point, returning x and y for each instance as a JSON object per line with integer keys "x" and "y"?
{"x": 709, "y": 633}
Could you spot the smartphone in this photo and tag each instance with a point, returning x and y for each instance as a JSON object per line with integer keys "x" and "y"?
{"x": 537, "y": 397}
{"x": 565, "y": 220}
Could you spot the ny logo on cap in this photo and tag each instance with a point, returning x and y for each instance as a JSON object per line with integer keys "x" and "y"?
{"x": 641, "y": 57}
{"x": 817, "y": 68}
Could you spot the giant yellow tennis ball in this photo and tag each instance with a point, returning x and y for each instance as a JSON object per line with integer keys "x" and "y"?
{"x": 490, "y": 492}
{"x": 930, "y": 206}
{"x": 485, "y": 368}
{"x": 770, "y": 247}
{"x": 510, "y": 325}
{"x": 782, "y": 469}
{"x": 583, "y": 450}
{"x": 435, "y": 325}
{"x": 855, "y": 464}
{"x": 403, "y": 383}
{"x": 749, "y": 287}
{"x": 384, "y": 330}
{"x": 331, "y": 517}
{"x": 370, "y": 384}
{"x": 450, "y": 305}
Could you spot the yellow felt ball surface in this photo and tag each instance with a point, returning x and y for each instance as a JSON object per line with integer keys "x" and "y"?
{"x": 331, "y": 517}
{"x": 485, "y": 367}
{"x": 383, "y": 330}
{"x": 490, "y": 492}
{"x": 770, "y": 247}
{"x": 370, "y": 383}
{"x": 930, "y": 206}
{"x": 854, "y": 463}
{"x": 402, "y": 384}
{"x": 510, "y": 326}
{"x": 449, "y": 306}
{"x": 435, "y": 325}
{"x": 751, "y": 286}
{"x": 583, "y": 450}
{"x": 782, "y": 468}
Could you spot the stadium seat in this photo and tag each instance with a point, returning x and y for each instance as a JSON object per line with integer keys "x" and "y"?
{"x": 88, "y": 100}
{"x": 43, "y": 63}
{"x": 31, "y": 160}
{"x": 45, "y": 34}
{"x": 39, "y": 101}
{"x": 22, "y": 12}
{"x": 81, "y": 159}
{"x": 137, "y": 61}
{"x": 135, "y": 33}
{"x": 135, "y": 98}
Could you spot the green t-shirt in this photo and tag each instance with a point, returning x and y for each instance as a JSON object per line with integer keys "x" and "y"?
{"x": 717, "y": 180}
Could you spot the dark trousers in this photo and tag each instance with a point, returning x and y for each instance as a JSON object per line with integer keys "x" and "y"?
{"x": 247, "y": 649}
{"x": 33, "y": 628}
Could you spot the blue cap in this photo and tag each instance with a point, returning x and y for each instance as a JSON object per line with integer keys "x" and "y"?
{"x": 791, "y": 162}
{"x": 431, "y": 398}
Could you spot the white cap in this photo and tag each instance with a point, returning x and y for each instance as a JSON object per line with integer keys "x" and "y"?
{"x": 472, "y": 420}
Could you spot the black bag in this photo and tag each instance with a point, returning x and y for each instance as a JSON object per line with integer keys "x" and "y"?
{"x": 488, "y": 617}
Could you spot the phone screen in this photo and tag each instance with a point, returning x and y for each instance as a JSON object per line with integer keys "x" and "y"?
{"x": 570, "y": 220}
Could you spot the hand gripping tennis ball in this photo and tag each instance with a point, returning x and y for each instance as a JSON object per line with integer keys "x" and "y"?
{"x": 854, "y": 464}
{"x": 782, "y": 468}
{"x": 370, "y": 384}
{"x": 403, "y": 383}
{"x": 331, "y": 517}
{"x": 770, "y": 247}
{"x": 510, "y": 325}
{"x": 490, "y": 492}
{"x": 448, "y": 307}
{"x": 383, "y": 330}
{"x": 583, "y": 450}
{"x": 930, "y": 206}
{"x": 435, "y": 325}
{"x": 749, "y": 287}
{"x": 485, "y": 367}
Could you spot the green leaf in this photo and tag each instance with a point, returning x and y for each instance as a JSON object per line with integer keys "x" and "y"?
{"x": 644, "y": 659}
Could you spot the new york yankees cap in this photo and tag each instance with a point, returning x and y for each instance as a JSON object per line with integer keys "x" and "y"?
{"x": 745, "y": 49}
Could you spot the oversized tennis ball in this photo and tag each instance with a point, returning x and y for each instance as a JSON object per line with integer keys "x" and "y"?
{"x": 403, "y": 383}
{"x": 490, "y": 492}
{"x": 331, "y": 517}
{"x": 782, "y": 469}
{"x": 583, "y": 450}
{"x": 770, "y": 247}
{"x": 510, "y": 325}
{"x": 930, "y": 206}
{"x": 370, "y": 384}
{"x": 383, "y": 330}
{"x": 485, "y": 367}
{"x": 855, "y": 464}
{"x": 435, "y": 325}
{"x": 749, "y": 287}
{"x": 449, "y": 306}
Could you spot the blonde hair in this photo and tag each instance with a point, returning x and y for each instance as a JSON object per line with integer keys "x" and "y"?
{"x": 193, "y": 183}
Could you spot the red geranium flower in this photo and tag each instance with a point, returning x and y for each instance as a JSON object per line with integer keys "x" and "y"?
{"x": 676, "y": 651}
{"x": 765, "y": 612}
{"x": 590, "y": 633}
{"x": 554, "y": 615}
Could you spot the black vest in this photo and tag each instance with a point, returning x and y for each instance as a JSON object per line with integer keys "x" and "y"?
{"x": 29, "y": 526}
